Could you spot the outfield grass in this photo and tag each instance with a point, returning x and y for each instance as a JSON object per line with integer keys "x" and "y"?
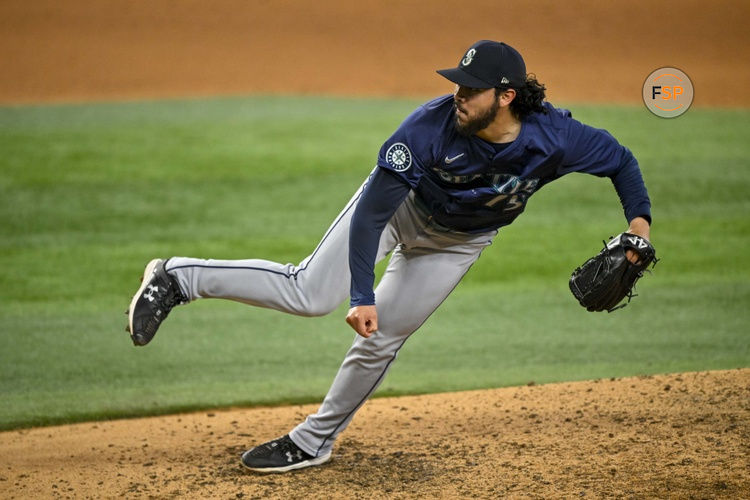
{"x": 90, "y": 193}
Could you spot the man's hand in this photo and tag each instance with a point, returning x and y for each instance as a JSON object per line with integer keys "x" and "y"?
{"x": 638, "y": 226}
{"x": 363, "y": 319}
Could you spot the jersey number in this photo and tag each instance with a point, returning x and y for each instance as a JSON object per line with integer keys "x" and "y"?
{"x": 513, "y": 193}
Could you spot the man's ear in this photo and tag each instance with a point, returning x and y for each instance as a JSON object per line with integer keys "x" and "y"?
{"x": 507, "y": 96}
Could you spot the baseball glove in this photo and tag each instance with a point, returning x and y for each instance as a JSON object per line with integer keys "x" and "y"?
{"x": 605, "y": 279}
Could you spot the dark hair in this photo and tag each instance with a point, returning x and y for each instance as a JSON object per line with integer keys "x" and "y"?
{"x": 529, "y": 98}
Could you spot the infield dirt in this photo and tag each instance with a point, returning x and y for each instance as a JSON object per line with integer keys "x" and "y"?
{"x": 670, "y": 436}
{"x": 583, "y": 50}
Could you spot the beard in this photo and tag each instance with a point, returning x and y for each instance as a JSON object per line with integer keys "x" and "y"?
{"x": 474, "y": 125}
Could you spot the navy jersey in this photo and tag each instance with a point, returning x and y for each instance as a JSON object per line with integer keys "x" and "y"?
{"x": 467, "y": 185}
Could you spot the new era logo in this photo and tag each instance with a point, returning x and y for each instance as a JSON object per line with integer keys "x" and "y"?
{"x": 504, "y": 81}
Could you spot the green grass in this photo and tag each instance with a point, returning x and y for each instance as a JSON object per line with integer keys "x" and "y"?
{"x": 89, "y": 193}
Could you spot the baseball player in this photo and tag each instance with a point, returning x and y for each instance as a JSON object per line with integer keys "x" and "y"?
{"x": 455, "y": 171}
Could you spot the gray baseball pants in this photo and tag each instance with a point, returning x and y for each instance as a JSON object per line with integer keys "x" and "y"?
{"x": 425, "y": 266}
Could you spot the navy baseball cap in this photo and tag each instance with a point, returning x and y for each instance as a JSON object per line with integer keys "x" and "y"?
{"x": 488, "y": 64}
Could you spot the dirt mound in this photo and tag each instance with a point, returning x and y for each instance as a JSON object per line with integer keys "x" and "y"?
{"x": 677, "y": 436}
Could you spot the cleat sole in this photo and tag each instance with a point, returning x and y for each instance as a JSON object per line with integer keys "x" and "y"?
{"x": 150, "y": 267}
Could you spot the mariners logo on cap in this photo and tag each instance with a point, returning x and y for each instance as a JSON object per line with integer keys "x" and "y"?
{"x": 468, "y": 57}
{"x": 398, "y": 157}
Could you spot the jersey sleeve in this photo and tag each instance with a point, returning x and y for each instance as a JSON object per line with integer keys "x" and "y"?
{"x": 590, "y": 150}
{"x": 597, "y": 152}
{"x": 409, "y": 151}
{"x": 631, "y": 189}
{"x": 380, "y": 199}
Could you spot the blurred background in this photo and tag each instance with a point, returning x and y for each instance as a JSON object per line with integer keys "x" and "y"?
{"x": 583, "y": 50}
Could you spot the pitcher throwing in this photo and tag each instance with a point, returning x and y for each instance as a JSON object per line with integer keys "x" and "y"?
{"x": 458, "y": 169}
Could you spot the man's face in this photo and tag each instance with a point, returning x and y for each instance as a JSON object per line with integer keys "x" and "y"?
{"x": 475, "y": 109}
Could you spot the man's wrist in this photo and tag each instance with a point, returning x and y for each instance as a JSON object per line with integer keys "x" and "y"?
{"x": 641, "y": 227}
{"x": 362, "y": 301}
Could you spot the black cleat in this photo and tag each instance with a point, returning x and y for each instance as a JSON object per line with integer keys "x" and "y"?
{"x": 158, "y": 294}
{"x": 280, "y": 455}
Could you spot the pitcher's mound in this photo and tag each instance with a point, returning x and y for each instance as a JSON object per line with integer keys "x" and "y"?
{"x": 679, "y": 436}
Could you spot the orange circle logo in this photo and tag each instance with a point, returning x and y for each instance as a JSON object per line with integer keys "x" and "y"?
{"x": 668, "y": 92}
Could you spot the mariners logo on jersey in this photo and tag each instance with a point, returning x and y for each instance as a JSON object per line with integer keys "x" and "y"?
{"x": 398, "y": 157}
